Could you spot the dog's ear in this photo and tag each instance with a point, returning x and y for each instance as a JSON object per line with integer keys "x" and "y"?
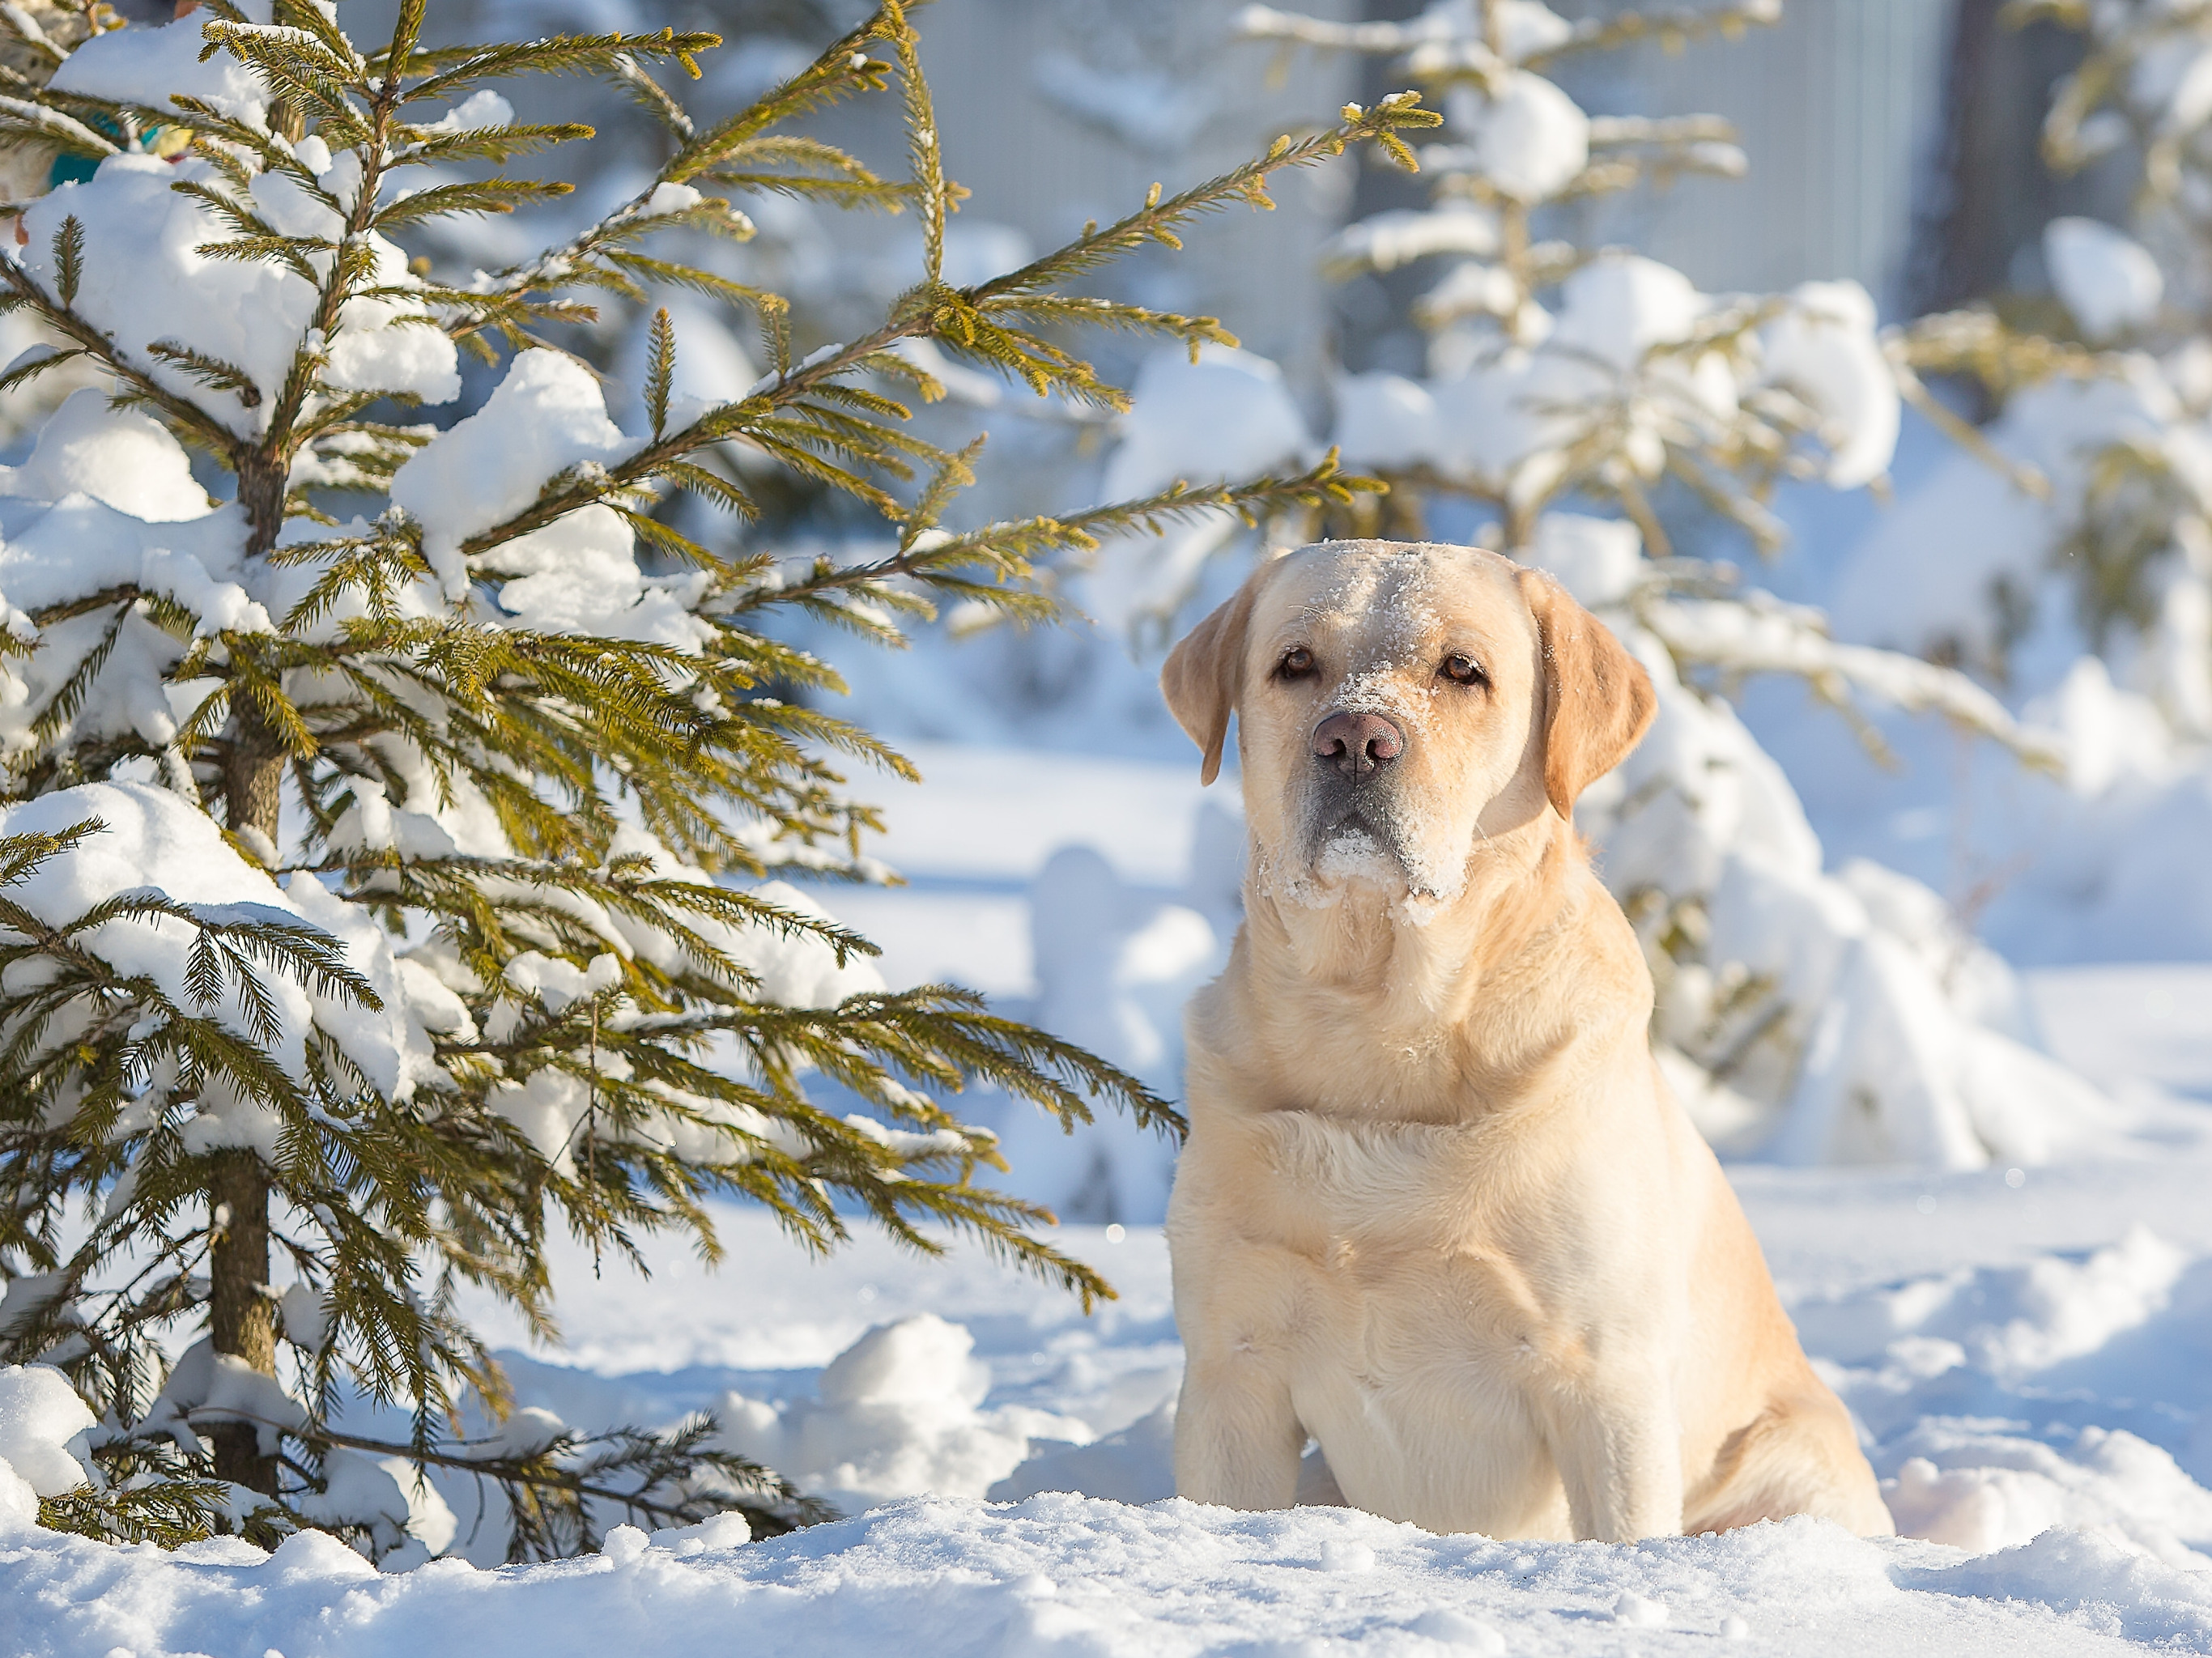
{"x": 1201, "y": 678}
{"x": 1598, "y": 701}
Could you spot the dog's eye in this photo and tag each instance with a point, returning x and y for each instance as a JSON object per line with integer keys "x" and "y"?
{"x": 1295, "y": 663}
{"x": 1464, "y": 670}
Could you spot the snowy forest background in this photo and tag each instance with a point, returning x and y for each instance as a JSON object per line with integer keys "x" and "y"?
{"x": 1878, "y": 175}
{"x": 1853, "y": 359}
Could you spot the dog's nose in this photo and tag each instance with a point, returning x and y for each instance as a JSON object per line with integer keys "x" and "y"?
{"x": 1359, "y": 744}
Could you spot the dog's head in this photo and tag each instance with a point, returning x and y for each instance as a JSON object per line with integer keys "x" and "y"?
{"x": 1398, "y": 702}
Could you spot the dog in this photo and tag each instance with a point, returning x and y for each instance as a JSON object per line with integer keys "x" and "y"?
{"x": 1438, "y": 1211}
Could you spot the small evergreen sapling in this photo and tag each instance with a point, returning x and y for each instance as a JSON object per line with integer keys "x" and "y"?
{"x": 359, "y": 903}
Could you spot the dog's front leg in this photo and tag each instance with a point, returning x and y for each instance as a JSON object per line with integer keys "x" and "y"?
{"x": 1619, "y": 1455}
{"x": 1237, "y": 1438}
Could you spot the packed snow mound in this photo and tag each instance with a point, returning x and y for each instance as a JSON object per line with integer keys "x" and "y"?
{"x": 895, "y": 1413}
{"x": 120, "y": 458}
{"x": 1619, "y": 305}
{"x": 578, "y": 574}
{"x": 1823, "y": 347}
{"x": 546, "y": 413}
{"x": 1060, "y": 1574}
{"x": 406, "y": 1520}
{"x": 206, "y": 1388}
{"x": 1530, "y": 137}
{"x": 42, "y": 1425}
{"x": 149, "y": 64}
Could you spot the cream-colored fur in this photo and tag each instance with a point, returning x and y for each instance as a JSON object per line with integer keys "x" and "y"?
{"x": 1438, "y": 1211}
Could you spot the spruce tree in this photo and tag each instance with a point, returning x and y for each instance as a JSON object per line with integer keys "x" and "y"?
{"x": 376, "y": 887}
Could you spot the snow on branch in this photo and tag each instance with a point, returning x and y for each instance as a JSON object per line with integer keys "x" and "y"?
{"x": 1755, "y": 633}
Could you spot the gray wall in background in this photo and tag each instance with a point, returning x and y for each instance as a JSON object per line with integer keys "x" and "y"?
{"x": 1838, "y": 106}
{"x": 1054, "y": 112}
{"x": 1043, "y": 102}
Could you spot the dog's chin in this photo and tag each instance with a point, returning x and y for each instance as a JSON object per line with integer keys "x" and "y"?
{"x": 1353, "y": 853}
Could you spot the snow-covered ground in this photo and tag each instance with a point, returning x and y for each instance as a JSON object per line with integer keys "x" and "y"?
{"x": 2029, "y": 1353}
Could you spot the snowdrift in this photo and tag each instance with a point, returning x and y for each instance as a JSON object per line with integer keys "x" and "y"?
{"x": 1068, "y": 1575}
{"x": 2033, "y": 1416}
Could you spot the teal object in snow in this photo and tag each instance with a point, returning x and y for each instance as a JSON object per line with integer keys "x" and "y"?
{"x": 76, "y": 169}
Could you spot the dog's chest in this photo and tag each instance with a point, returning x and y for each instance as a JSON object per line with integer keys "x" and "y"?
{"x": 1374, "y": 1183}
{"x": 1392, "y": 1238}
{"x": 1372, "y": 1266}
{"x": 1378, "y": 1237}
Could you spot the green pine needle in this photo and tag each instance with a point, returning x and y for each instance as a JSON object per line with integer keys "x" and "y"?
{"x": 660, "y": 370}
{"x": 69, "y": 258}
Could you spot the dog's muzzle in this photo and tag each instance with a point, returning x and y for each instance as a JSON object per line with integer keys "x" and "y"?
{"x": 1352, "y": 791}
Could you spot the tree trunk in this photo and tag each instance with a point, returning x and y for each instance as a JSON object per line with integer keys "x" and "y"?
{"x": 261, "y": 479}
{"x": 242, "y": 1318}
{"x": 253, "y": 774}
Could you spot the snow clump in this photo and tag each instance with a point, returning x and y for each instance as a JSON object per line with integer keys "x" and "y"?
{"x": 2106, "y": 278}
{"x": 42, "y": 1428}
{"x": 896, "y": 1412}
{"x": 153, "y": 839}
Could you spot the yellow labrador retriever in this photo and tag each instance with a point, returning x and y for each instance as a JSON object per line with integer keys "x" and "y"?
{"x": 1438, "y": 1211}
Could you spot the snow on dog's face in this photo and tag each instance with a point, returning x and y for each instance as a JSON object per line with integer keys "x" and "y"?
{"x": 1396, "y": 703}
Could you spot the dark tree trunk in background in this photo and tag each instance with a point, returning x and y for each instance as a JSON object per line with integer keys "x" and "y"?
{"x": 1983, "y": 203}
